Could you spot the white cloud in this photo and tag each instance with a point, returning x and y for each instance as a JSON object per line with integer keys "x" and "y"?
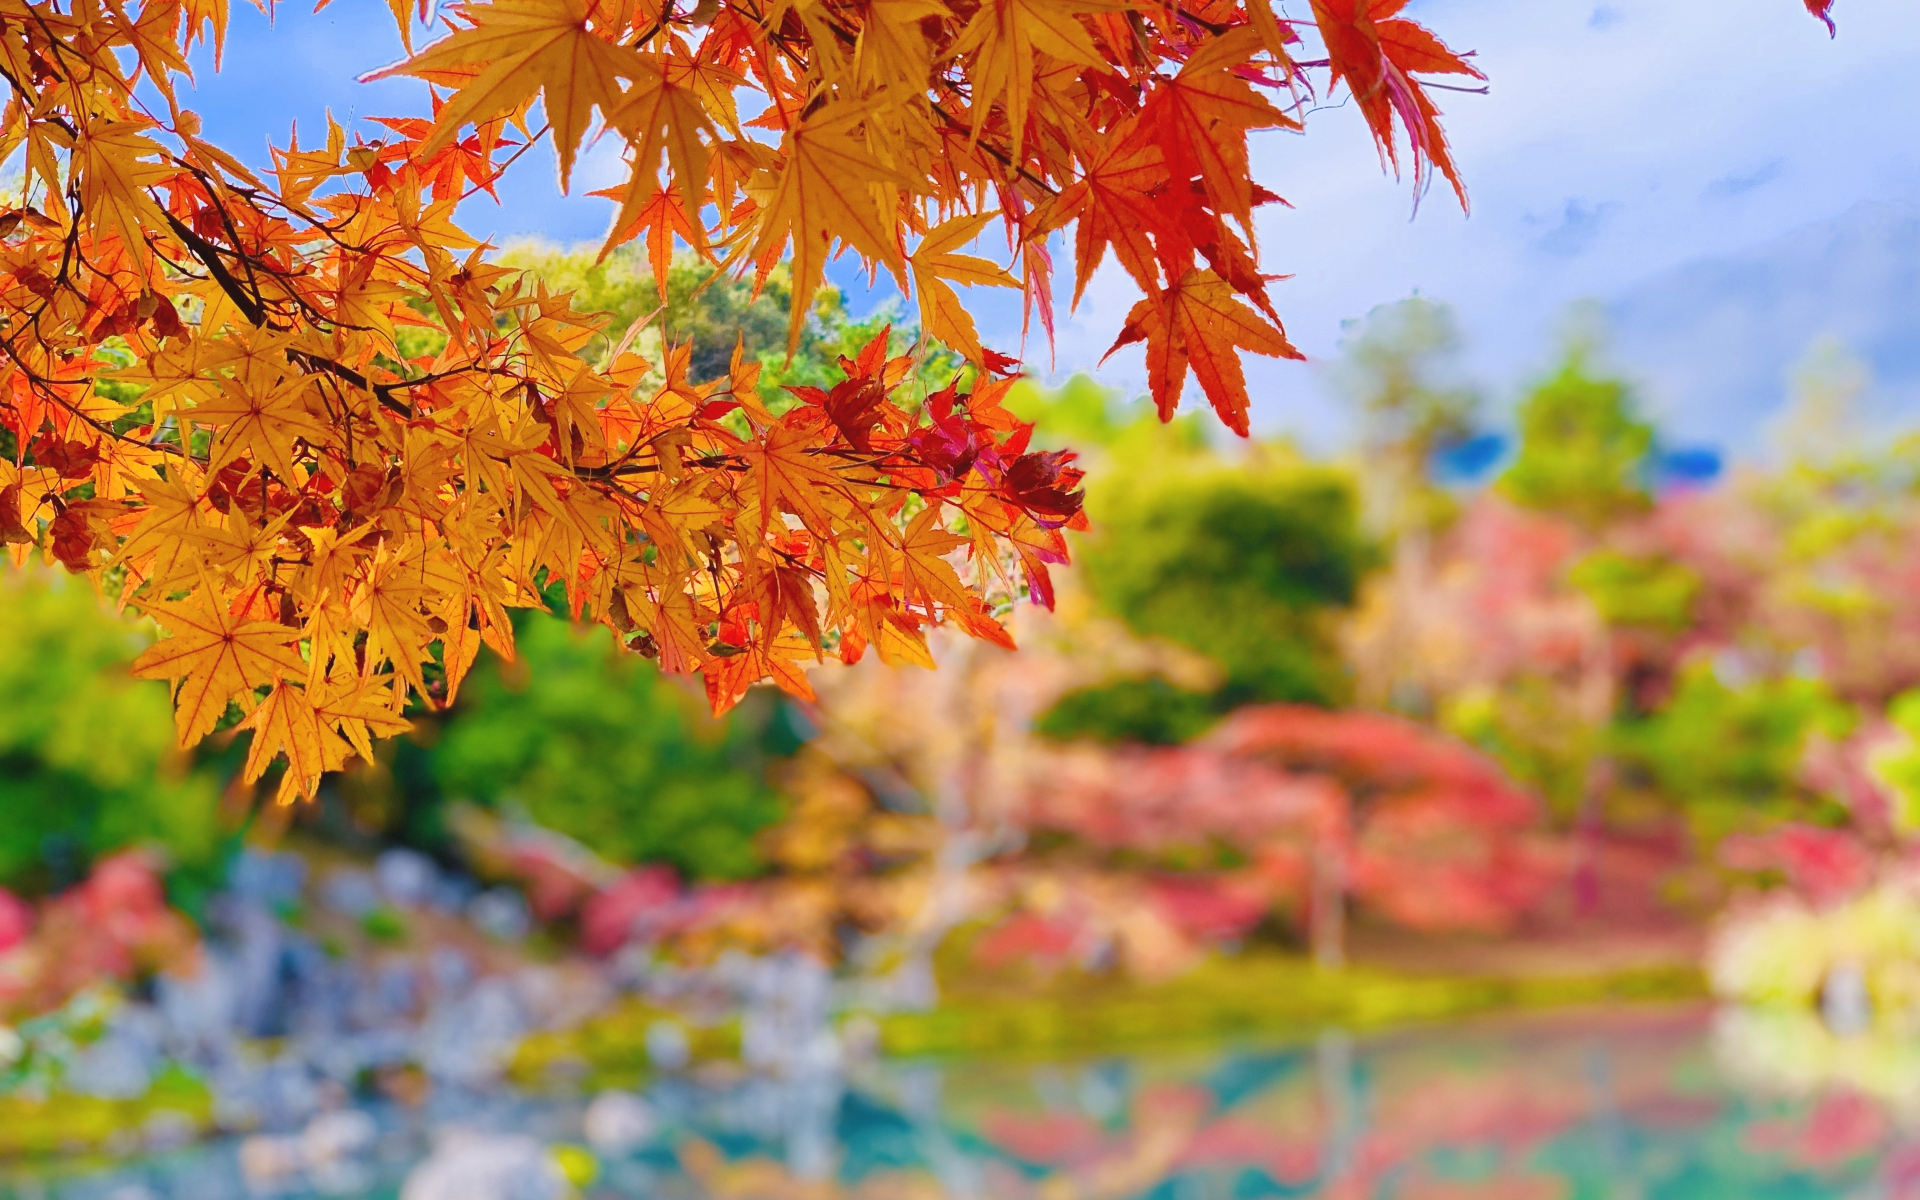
{"x": 1618, "y": 141}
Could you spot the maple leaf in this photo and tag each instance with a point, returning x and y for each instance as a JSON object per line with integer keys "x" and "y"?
{"x": 112, "y": 174}
{"x": 317, "y": 506}
{"x": 1044, "y": 486}
{"x": 1377, "y": 56}
{"x": 285, "y": 724}
{"x": 358, "y": 707}
{"x": 658, "y": 214}
{"x": 1197, "y": 322}
{"x": 665, "y": 116}
{"x": 1113, "y": 203}
{"x": 213, "y": 657}
{"x": 523, "y": 47}
{"x": 822, "y": 191}
{"x": 925, "y": 571}
{"x": 1199, "y": 121}
{"x": 933, "y": 263}
{"x": 786, "y": 478}
{"x": 1008, "y": 38}
{"x": 263, "y": 418}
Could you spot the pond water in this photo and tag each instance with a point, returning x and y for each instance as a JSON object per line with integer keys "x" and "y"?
{"x": 1624, "y": 1104}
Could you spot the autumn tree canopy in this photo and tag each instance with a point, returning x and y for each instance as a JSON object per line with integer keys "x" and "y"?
{"x": 294, "y": 413}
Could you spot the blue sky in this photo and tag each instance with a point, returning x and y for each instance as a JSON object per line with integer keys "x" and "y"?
{"x": 1623, "y": 144}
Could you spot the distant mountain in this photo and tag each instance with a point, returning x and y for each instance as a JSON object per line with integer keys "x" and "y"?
{"x": 1714, "y": 341}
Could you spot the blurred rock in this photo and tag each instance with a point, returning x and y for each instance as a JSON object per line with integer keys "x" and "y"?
{"x": 350, "y": 891}
{"x": 269, "y": 879}
{"x": 618, "y": 1123}
{"x": 256, "y": 944}
{"x": 667, "y": 1045}
{"x": 786, "y": 1011}
{"x": 469, "y": 1040}
{"x": 1845, "y": 1004}
{"x": 467, "y": 1165}
{"x": 122, "y": 1063}
{"x": 561, "y": 995}
{"x": 199, "y": 1005}
{"x": 336, "y": 1135}
{"x": 501, "y": 913}
{"x": 406, "y": 877}
{"x": 329, "y": 1142}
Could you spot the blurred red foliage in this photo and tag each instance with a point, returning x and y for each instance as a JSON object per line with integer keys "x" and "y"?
{"x": 1416, "y": 826}
{"x": 116, "y": 925}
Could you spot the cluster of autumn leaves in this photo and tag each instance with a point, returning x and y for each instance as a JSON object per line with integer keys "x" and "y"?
{"x": 298, "y": 417}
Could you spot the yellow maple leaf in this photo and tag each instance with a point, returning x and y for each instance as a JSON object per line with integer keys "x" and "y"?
{"x": 360, "y": 707}
{"x": 663, "y": 113}
{"x": 942, "y": 316}
{"x": 286, "y": 724}
{"x": 264, "y": 412}
{"x": 823, "y": 190}
{"x": 1005, "y": 39}
{"x": 112, "y": 175}
{"x": 523, "y": 47}
{"x": 215, "y": 657}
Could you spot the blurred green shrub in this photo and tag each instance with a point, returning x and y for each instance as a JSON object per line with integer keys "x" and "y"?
{"x": 1151, "y": 711}
{"x": 1243, "y": 562}
{"x": 1896, "y": 764}
{"x": 1729, "y": 755}
{"x": 1647, "y": 593}
{"x": 87, "y": 758}
{"x": 593, "y": 742}
{"x": 1246, "y": 560}
{"x": 1583, "y": 449}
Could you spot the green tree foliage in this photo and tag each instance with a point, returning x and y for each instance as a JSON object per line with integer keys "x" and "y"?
{"x": 87, "y": 758}
{"x": 1729, "y": 754}
{"x": 1897, "y": 763}
{"x": 1583, "y": 446}
{"x": 1634, "y": 591}
{"x": 1245, "y": 560}
{"x": 599, "y": 746}
{"x": 1151, "y": 711}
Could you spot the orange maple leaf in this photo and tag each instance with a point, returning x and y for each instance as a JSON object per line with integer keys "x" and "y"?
{"x": 1197, "y": 322}
{"x": 1378, "y": 55}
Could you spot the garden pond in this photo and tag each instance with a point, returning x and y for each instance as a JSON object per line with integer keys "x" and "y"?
{"x": 1649, "y": 1101}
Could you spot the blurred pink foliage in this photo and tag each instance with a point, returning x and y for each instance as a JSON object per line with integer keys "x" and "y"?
{"x": 1424, "y": 831}
{"x": 115, "y": 925}
{"x": 1823, "y": 865}
{"x": 1843, "y": 1126}
{"x": 16, "y": 920}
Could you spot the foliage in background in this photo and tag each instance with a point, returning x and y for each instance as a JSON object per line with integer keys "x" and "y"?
{"x": 1243, "y": 563}
{"x": 715, "y": 312}
{"x": 590, "y": 743}
{"x": 1584, "y": 449}
{"x": 1729, "y": 755}
{"x": 601, "y": 747}
{"x": 1148, "y": 709}
{"x": 1638, "y": 591}
{"x": 1247, "y": 560}
{"x": 87, "y": 758}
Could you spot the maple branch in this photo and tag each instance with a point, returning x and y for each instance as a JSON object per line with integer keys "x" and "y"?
{"x": 209, "y": 256}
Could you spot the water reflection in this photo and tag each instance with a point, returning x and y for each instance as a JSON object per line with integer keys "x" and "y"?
{"x": 1638, "y": 1104}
